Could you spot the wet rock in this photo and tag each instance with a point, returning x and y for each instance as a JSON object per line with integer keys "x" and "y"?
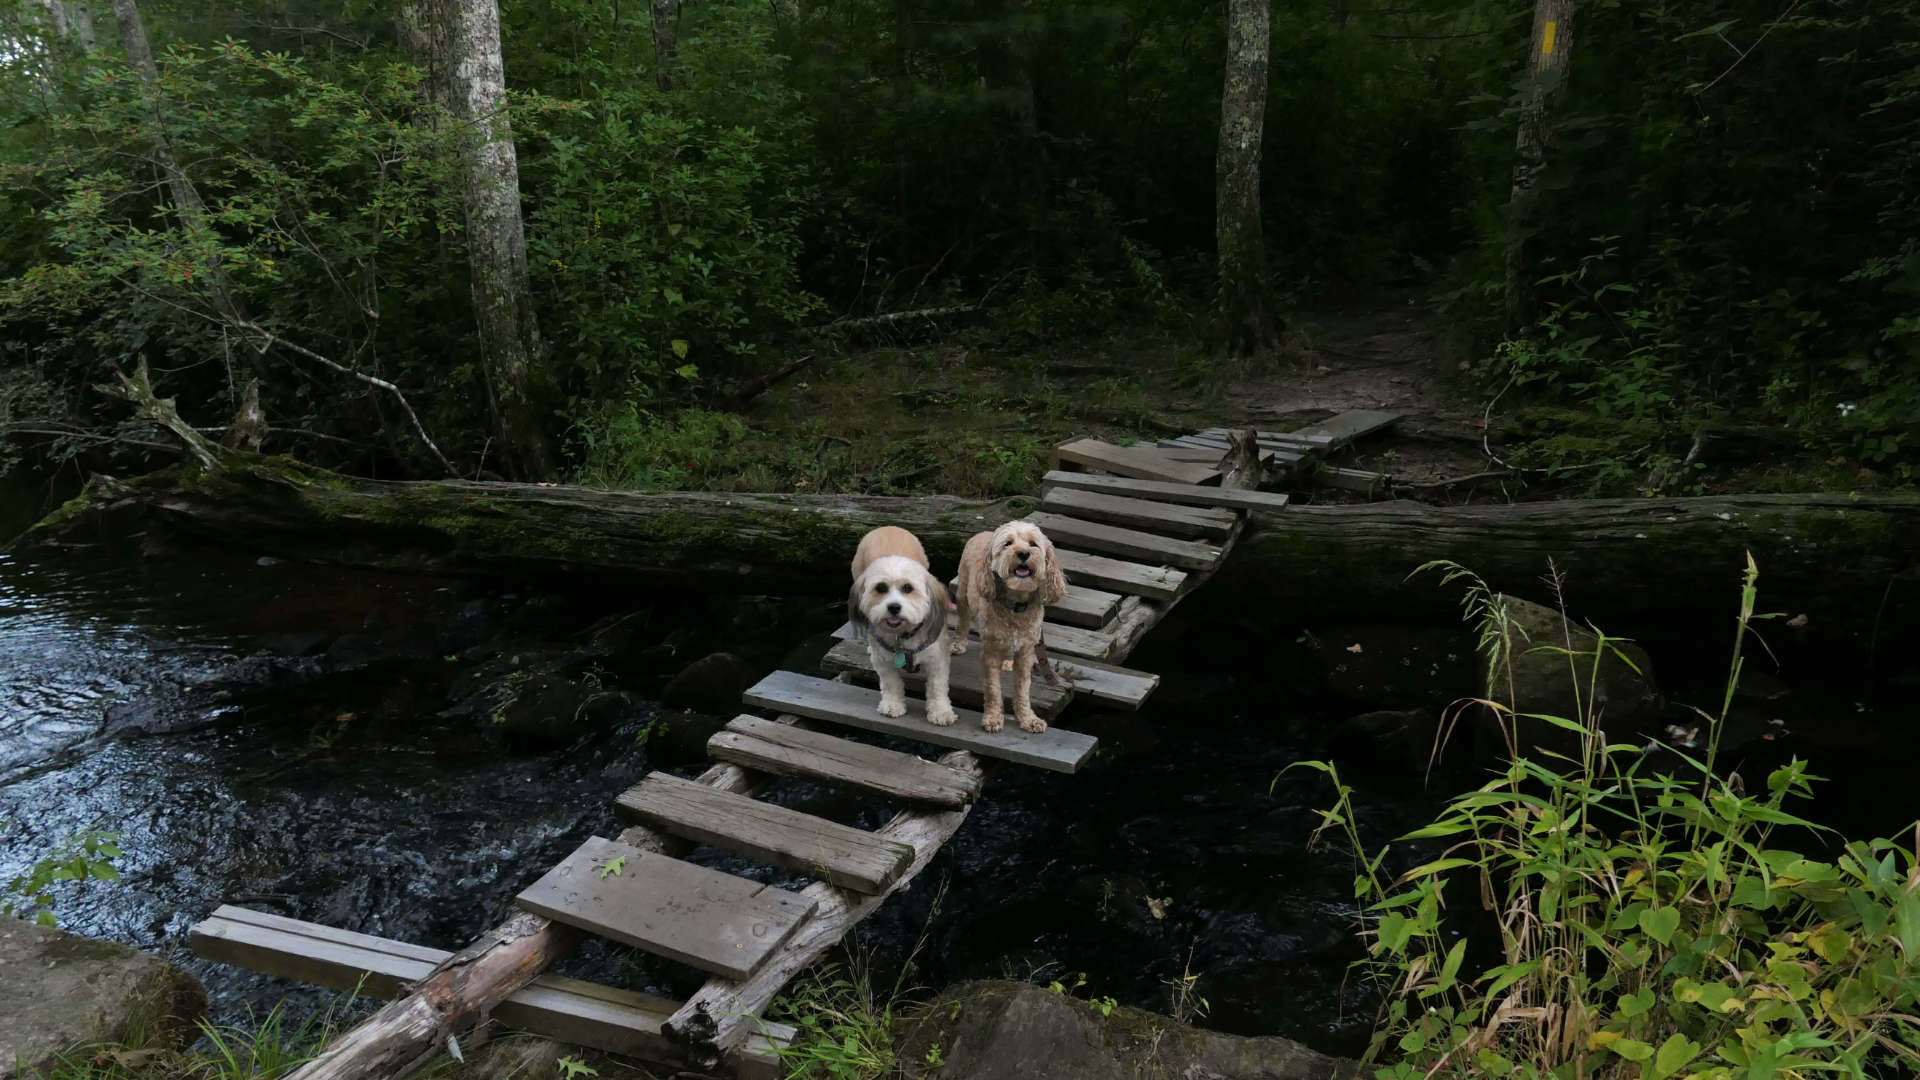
{"x": 712, "y": 684}
{"x": 1396, "y": 666}
{"x": 301, "y": 643}
{"x": 680, "y": 737}
{"x": 1017, "y": 1031}
{"x": 1621, "y": 696}
{"x": 1391, "y": 739}
{"x": 61, "y": 991}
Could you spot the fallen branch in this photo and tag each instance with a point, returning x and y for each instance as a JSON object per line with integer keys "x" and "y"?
{"x": 892, "y": 318}
{"x": 138, "y": 389}
{"x": 754, "y": 387}
{"x": 268, "y": 339}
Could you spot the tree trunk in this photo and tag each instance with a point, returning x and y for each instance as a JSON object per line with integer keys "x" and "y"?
{"x": 1850, "y": 564}
{"x": 741, "y": 543}
{"x": 459, "y": 41}
{"x": 666, "y": 41}
{"x": 1551, "y": 51}
{"x": 1240, "y": 241}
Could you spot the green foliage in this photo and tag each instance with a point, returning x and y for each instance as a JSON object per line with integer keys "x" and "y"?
{"x": 1650, "y": 924}
{"x": 87, "y": 855}
{"x": 263, "y": 1050}
{"x": 842, "y": 1031}
{"x": 625, "y": 447}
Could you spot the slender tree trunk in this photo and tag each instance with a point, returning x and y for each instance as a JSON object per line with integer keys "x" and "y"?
{"x": 1240, "y": 241}
{"x": 1551, "y": 50}
{"x": 666, "y": 41}
{"x": 80, "y": 25}
{"x": 459, "y": 41}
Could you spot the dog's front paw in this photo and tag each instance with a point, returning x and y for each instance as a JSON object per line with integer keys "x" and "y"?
{"x": 1031, "y": 723}
{"x": 959, "y": 645}
{"x": 992, "y": 721}
{"x": 941, "y": 715}
{"x": 893, "y": 707}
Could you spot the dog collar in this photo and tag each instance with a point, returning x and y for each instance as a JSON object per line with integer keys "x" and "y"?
{"x": 1016, "y": 608}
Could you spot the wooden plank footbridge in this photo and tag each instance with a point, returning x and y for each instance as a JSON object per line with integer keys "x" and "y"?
{"x": 1134, "y": 537}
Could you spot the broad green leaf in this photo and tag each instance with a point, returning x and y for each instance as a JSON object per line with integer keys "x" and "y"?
{"x": 1675, "y": 1054}
{"x": 1660, "y": 923}
{"x": 680, "y": 347}
{"x": 1631, "y": 1049}
{"x": 1451, "y": 967}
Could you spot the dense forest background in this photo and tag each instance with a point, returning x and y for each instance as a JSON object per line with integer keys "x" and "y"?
{"x": 1725, "y": 223}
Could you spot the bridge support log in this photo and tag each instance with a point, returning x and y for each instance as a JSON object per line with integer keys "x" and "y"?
{"x": 1850, "y": 564}
{"x": 739, "y": 542}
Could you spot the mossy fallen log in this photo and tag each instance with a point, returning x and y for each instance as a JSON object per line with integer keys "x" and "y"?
{"x": 1844, "y": 568}
{"x": 749, "y": 543}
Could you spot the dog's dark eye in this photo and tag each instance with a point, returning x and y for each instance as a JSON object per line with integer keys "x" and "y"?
{"x": 906, "y": 588}
{"x": 880, "y": 588}
{"x": 1007, "y": 544}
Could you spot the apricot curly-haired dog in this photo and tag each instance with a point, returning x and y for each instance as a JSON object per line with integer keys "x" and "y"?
{"x": 1007, "y": 579}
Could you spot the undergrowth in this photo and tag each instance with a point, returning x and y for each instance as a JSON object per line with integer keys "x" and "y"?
{"x": 264, "y": 1050}
{"x": 1653, "y": 918}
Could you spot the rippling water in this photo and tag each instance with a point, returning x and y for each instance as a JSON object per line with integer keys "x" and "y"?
{"x": 156, "y": 698}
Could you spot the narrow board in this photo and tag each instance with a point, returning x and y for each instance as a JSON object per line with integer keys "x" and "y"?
{"x": 1084, "y": 607}
{"x": 847, "y": 857}
{"x": 1191, "y": 441}
{"x": 1348, "y": 426}
{"x": 963, "y": 679}
{"x": 1142, "y": 462}
{"x": 1131, "y": 543}
{"x": 1281, "y": 438}
{"x": 1181, "y": 494}
{"x": 1070, "y": 640}
{"x": 1206, "y": 455}
{"x": 1362, "y": 480}
{"x": 786, "y": 750}
{"x": 585, "y": 1014}
{"x": 857, "y": 706}
{"x": 711, "y": 920}
{"x": 1132, "y": 578}
{"x": 1186, "y": 522}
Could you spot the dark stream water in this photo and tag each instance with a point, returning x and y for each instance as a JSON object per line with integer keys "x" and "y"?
{"x": 307, "y": 741}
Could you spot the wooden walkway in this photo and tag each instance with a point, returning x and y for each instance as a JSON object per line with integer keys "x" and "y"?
{"x": 1134, "y": 539}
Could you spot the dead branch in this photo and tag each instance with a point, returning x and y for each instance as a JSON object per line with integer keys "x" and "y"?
{"x": 268, "y": 339}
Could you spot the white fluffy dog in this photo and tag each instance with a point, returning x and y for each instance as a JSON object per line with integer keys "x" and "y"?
{"x": 900, "y": 609}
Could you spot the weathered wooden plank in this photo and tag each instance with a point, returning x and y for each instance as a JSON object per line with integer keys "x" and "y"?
{"x": 1069, "y": 640}
{"x": 1101, "y": 681}
{"x": 1131, "y": 578}
{"x": 1154, "y": 491}
{"x": 711, "y": 920}
{"x": 857, "y": 706}
{"x": 964, "y": 685}
{"x": 1208, "y": 442}
{"x": 786, "y": 750}
{"x": 1350, "y": 425}
{"x": 1281, "y": 438}
{"x": 1187, "y": 522}
{"x": 847, "y": 857}
{"x": 1364, "y": 481}
{"x": 1143, "y": 462}
{"x": 585, "y": 1014}
{"x": 1131, "y": 543}
{"x": 1084, "y": 606}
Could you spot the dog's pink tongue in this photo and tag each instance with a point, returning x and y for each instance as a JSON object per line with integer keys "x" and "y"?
{"x": 896, "y": 622}
{"x": 1023, "y": 571}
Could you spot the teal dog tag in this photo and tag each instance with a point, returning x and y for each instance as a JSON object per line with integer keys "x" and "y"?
{"x": 899, "y": 660}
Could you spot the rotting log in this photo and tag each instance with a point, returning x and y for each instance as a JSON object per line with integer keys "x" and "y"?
{"x": 741, "y": 542}
{"x": 1849, "y": 563}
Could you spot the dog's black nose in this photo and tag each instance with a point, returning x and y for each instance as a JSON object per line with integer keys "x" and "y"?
{"x": 893, "y": 608}
{"x": 1022, "y": 555}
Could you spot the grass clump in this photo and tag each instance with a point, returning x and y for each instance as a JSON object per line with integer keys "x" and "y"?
{"x": 1650, "y": 922}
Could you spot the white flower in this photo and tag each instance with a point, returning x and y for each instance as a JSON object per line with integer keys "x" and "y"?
{"x": 1846, "y": 408}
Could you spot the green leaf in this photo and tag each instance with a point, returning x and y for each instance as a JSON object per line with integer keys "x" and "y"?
{"x": 1660, "y": 923}
{"x": 1675, "y": 1054}
{"x": 45, "y": 918}
{"x": 1451, "y": 967}
{"x": 1631, "y": 1049}
{"x": 680, "y": 345}
{"x": 687, "y": 371}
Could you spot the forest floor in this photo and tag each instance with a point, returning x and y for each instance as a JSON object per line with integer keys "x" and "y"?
{"x": 974, "y": 416}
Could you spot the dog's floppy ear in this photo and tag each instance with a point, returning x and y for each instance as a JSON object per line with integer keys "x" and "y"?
{"x": 857, "y": 611}
{"x": 1056, "y": 577}
{"x": 935, "y": 623}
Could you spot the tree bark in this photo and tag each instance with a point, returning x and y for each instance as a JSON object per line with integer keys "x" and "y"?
{"x": 1551, "y": 51}
{"x": 1850, "y": 564}
{"x": 1240, "y": 241}
{"x": 458, "y": 41}
{"x": 666, "y": 41}
{"x": 741, "y": 543}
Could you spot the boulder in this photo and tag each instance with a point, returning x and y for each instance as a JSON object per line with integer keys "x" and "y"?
{"x": 1387, "y": 739}
{"x": 1018, "y": 1031}
{"x": 712, "y": 685}
{"x": 60, "y": 991}
{"x": 1620, "y": 695}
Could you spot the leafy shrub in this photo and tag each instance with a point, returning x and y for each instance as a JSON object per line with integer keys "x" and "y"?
{"x": 1651, "y": 925}
{"x": 87, "y": 855}
{"x": 624, "y": 446}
